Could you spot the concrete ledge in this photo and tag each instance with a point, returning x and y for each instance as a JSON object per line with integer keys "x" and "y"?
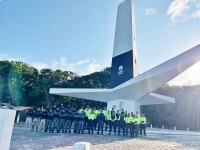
{"x": 82, "y": 146}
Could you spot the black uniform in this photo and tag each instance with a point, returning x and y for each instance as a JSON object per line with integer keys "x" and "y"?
{"x": 100, "y": 122}
{"x": 121, "y": 124}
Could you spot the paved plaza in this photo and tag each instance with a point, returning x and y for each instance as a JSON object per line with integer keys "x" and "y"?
{"x": 156, "y": 139}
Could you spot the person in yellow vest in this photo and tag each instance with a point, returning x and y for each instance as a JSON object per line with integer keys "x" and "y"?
{"x": 107, "y": 116}
{"x": 133, "y": 124}
{"x": 137, "y": 124}
{"x": 96, "y": 112}
{"x": 128, "y": 121}
{"x": 91, "y": 118}
{"x": 143, "y": 121}
{"x": 87, "y": 112}
{"x": 81, "y": 110}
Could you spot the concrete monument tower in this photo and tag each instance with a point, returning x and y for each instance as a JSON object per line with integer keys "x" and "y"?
{"x": 127, "y": 89}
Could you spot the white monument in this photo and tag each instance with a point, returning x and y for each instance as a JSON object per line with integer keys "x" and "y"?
{"x": 127, "y": 89}
{"x": 7, "y": 117}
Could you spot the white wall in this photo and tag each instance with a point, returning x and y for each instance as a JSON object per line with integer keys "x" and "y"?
{"x": 7, "y": 117}
{"x": 129, "y": 106}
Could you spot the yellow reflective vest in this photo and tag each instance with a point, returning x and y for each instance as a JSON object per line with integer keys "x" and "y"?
{"x": 91, "y": 116}
{"x": 143, "y": 120}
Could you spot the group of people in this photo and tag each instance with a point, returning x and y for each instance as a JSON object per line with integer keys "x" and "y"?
{"x": 66, "y": 120}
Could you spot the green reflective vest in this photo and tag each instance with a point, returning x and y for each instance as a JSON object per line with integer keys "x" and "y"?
{"x": 128, "y": 119}
{"x": 105, "y": 112}
{"x": 80, "y": 111}
{"x": 108, "y": 117}
{"x": 91, "y": 116}
{"x": 143, "y": 120}
{"x": 137, "y": 121}
{"x": 87, "y": 112}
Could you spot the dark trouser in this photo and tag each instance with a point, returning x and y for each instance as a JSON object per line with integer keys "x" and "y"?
{"x": 136, "y": 130}
{"x": 128, "y": 126}
{"x": 100, "y": 127}
{"x": 132, "y": 130}
{"x": 95, "y": 124}
{"x": 112, "y": 124}
{"x": 76, "y": 123}
{"x": 107, "y": 124}
{"x": 121, "y": 125}
{"x": 62, "y": 124}
{"x": 49, "y": 125}
{"x": 56, "y": 122}
{"x": 143, "y": 127}
{"x": 68, "y": 125}
{"x": 90, "y": 126}
{"x": 81, "y": 126}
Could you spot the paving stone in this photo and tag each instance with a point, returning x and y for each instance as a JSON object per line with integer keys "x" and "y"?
{"x": 156, "y": 139}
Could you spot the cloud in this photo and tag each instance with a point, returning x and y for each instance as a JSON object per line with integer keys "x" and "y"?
{"x": 10, "y": 58}
{"x": 182, "y": 10}
{"x": 82, "y": 67}
{"x": 39, "y": 65}
{"x": 149, "y": 11}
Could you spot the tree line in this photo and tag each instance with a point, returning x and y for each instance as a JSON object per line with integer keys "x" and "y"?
{"x": 23, "y": 85}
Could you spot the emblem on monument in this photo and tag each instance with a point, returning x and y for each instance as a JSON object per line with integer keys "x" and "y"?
{"x": 121, "y": 70}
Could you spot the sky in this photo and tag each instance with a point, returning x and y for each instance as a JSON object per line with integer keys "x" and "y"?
{"x": 78, "y": 35}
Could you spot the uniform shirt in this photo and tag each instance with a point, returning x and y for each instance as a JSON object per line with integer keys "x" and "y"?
{"x": 137, "y": 121}
{"x": 87, "y": 112}
{"x": 105, "y": 112}
{"x": 91, "y": 116}
{"x": 43, "y": 115}
{"x": 50, "y": 115}
{"x": 113, "y": 117}
{"x": 29, "y": 113}
{"x": 118, "y": 116}
{"x": 143, "y": 120}
{"x": 80, "y": 110}
{"x": 108, "y": 117}
{"x": 128, "y": 120}
{"x": 101, "y": 117}
{"x": 97, "y": 112}
{"x": 36, "y": 114}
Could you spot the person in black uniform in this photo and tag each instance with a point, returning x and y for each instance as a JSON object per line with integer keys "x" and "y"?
{"x": 29, "y": 119}
{"x": 36, "y": 119}
{"x": 76, "y": 121}
{"x": 121, "y": 123}
{"x": 43, "y": 117}
{"x": 81, "y": 123}
{"x": 56, "y": 119}
{"x": 112, "y": 123}
{"x": 69, "y": 119}
{"x": 49, "y": 123}
{"x": 62, "y": 120}
{"x": 100, "y": 122}
{"x": 117, "y": 119}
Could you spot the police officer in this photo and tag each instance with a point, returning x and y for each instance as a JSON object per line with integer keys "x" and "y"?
{"x": 76, "y": 117}
{"x": 100, "y": 122}
{"x": 43, "y": 117}
{"x": 69, "y": 119}
{"x": 143, "y": 124}
{"x": 49, "y": 123}
{"x": 36, "y": 119}
{"x": 128, "y": 123}
{"x": 81, "y": 122}
{"x": 91, "y": 118}
{"x": 29, "y": 119}
{"x": 87, "y": 113}
{"x": 133, "y": 124}
{"x": 112, "y": 122}
{"x": 121, "y": 123}
{"x": 62, "y": 120}
{"x": 56, "y": 119}
{"x": 107, "y": 116}
{"x": 117, "y": 119}
{"x": 96, "y": 112}
{"x": 137, "y": 124}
